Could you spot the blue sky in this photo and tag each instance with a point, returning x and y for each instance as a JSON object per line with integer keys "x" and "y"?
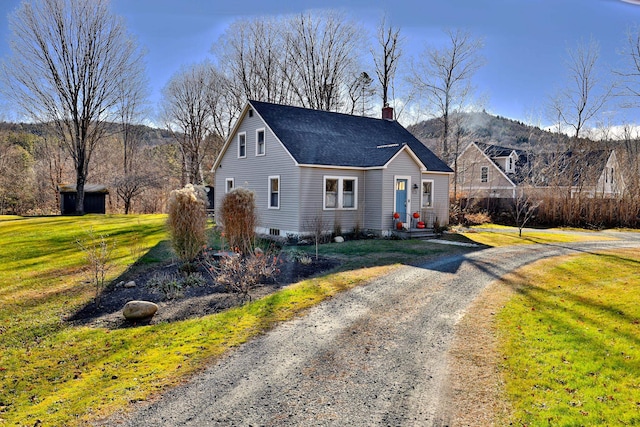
{"x": 525, "y": 40}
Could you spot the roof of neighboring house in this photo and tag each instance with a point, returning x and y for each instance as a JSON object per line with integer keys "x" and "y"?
{"x": 315, "y": 137}
{"x": 88, "y": 188}
{"x": 588, "y": 165}
{"x": 495, "y": 151}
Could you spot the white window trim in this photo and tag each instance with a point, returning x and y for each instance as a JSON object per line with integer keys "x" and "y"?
{"x": 273, "y": 177}
{"x": 226, "y": 184}
{"x": 395, "y": 193}
{"x": 264, "y": 142}
{"x": 340, "y": 200}
{"x": 422, "y": 206}
{"x": 510, "y": 165}
{"x": 245, "y": 145}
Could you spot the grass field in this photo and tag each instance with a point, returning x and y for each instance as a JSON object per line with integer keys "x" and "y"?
{"x": 53, "y": 373}
{"x": 374, "y": 252}
{"x": 508, "y": 236}
{"x": 570, "y": 341}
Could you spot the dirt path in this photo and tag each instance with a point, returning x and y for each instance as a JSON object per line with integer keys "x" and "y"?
{"x": 376, "y": 355}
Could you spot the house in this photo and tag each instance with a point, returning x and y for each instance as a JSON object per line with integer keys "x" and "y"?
{"x": 94, "y": 198}
{"x": 602, "y": 175}
{"x": 310, "y": 167}
{"x": 492, "y": 171}
{"x": 486, "y": 170}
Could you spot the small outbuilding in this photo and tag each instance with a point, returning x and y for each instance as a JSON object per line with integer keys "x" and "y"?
{"x": 94, "y": 198}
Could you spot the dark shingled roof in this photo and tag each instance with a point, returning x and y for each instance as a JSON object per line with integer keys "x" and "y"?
{"x": 315, "y": 137}
{"x": 495, "y": 151}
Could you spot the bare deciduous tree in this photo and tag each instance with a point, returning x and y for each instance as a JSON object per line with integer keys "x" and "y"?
{"x": 186, "y": 112}
{"x": 444, "y": 76}
{"x": 131, "y": 111}
{"x": 52, "y": 166}
{"x": 322, "y": 54}
{"x": 524, "y": 209}
{"x": 386, "y": 57}
{"x": 586, "y": 92}
{"x": 575, "y": 106}
{"x": 631, "y": 72}
{"x": 68, "y": 56}
{"x": 253, "y": 52}
{"x": 225, "y": 102}
{"x": 359, "y": 92}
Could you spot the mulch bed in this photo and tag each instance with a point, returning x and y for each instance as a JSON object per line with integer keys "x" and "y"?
{"x": 194, "y": 301}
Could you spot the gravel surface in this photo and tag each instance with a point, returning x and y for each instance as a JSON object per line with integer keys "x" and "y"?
{"x": 376, "y": 355}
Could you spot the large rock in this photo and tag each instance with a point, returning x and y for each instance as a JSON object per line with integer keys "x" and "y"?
{"x": 338, "y": 239}
{"x": 137, "y": 310}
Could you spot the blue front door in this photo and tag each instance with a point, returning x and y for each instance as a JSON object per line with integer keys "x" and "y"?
{"x": 401, "y": 198}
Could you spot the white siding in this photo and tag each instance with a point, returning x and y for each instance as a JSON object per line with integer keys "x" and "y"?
{"x": 253, "y": 172}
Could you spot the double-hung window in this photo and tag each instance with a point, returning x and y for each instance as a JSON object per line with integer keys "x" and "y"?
{"x": 229, "y": 185}
{"x": 242, "y": 145}
{"x": 484, "y": 174}
{"x": 340, "y": 193}
{"x": 427, "y": 193}
{"x": 274, "y": 192}
{"x": 260, "y": 143}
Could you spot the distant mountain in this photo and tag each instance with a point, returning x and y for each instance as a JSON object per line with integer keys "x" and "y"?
{"x": 150, "y": 136}
{"x": 484, "y": 127}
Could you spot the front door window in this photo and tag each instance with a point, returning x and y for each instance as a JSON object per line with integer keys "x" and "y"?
{"x": 401, "y": 197}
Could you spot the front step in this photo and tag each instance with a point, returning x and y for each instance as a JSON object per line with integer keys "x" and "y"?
{"x": 415, "y": 233}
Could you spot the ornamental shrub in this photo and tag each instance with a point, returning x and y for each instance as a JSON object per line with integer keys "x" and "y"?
{"x": 238, "y": 216}
{"x": 187, "y": 222}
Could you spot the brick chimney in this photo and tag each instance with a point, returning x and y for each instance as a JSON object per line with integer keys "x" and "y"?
{"x": 387, "y": 112}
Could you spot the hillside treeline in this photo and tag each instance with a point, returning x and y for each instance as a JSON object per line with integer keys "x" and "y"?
{"x": 34, "y": 164}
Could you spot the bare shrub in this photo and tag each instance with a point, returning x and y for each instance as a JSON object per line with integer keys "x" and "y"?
{"x": 241, "y": 274}
{"x": 187, "y": 222}
{"x": 238, "y": 215}
{"x": 317, "y": 226}
{"x": 98, "y": 252}
{"x": 524, "y": 209}
{"x": 477, "y": 218}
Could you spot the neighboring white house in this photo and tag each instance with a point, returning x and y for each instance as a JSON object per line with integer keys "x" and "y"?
{"x": 487, "y": 170}
{"x": 310, "y": 167}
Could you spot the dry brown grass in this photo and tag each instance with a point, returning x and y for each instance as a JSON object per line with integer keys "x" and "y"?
{"x": 238, "y": 216}
{"x": 187, "y": 222}
{"x": 475, "y": 386}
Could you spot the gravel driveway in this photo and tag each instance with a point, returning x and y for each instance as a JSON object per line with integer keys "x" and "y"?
{"x": 375, "y": 355}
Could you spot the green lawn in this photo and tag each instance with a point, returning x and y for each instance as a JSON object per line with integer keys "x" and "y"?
{"x": 366, "y": 253}
{"x": 570, "y": 341}
{"x": 67, "y": 375}
{"x": 508, "y": 236}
